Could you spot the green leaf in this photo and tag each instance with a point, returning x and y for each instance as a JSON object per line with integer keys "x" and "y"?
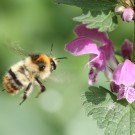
{"x": 103, "y": 21}
{"x": 119, "y": 58}
{"x": 117, "y": 117}
{"x": 96, "y": 13}
{"x": 96, "y": 5}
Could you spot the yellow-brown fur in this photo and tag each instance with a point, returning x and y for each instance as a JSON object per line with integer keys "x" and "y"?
{"x": 44, "y": 58}
{"x": 9, "y": 86}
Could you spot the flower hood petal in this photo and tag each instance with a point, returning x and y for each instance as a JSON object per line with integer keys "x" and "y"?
{"x": 125, "y": 73}
{"x": 81, "y": 46}
{"x": 94, "y": 34}
{"x": 107, "y": 49}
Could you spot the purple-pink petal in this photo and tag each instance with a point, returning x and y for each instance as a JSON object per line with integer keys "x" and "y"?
{"x": 99, "y": 62}
{"x": 94, "y": 34}
{"x": 127, "y": 49}
{"x": 92, "y": 75}
{"x": 98, "y": 45}
{"x": 124, "y": 92}
{"x": 107, "y": 49}
{"x": 130, "y": 94}
{"x": 114, "y": 87}
{"x": 81, "y": 46}
{"x": 121, "y": 91}
{"x": 128, "y": 14}
{"x": 125, "y": 73}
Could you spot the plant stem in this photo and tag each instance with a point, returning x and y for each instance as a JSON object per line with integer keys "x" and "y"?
{"x": 133, "y": 58}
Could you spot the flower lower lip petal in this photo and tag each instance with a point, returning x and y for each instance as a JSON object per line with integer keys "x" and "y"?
{"x": 81, "y": 46}
{"x": 130, "y": 94}
{"x": 92, "y": 75}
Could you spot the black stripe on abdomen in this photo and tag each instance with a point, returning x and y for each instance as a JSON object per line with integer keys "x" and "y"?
{"x": 12, "y": 74}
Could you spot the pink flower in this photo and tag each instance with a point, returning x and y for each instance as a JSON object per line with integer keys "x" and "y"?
{"x": 128, "y": 14}
{"x": 127, "y": 49}
{"x": 124, "y": 80}
{"x": 126, "y": 10}
{"x": 102, "y": 59}
{"x": 98, "y": 45}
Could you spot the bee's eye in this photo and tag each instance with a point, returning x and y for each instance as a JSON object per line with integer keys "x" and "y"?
{"x": 53, "y": 65}
{"x": 41, "y": 65}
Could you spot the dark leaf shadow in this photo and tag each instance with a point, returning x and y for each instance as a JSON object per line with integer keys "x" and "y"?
{"x": 97, "y": 95}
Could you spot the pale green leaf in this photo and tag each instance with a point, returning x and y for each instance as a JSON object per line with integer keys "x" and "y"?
{"x": 96, "y": 13}
{"x": 103, "y": 21}
{"x": 117, "y": 117}
{"x": 119, "y": 58}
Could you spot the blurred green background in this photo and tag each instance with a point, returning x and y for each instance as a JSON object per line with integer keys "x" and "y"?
{"x": 35, "y": 25}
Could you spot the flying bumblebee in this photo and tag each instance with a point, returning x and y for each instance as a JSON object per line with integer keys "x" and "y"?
{"x": 29, "y": 71}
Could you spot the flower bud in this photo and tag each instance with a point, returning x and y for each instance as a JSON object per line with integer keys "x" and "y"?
{"x": 119, "y": 9}
{"x": 128, "y": 14}
{"x": 127, "y": 49}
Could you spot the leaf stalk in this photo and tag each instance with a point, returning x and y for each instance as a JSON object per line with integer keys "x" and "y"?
{"x": 133, "y": 57}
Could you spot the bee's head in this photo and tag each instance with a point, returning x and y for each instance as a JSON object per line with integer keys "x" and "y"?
{"x": 42, "y": 61}
{"x": 43, "y": 64}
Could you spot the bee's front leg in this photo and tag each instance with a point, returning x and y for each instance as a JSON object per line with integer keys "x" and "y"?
{"x": 26, "y": 93}
{"x": 42, "y": 87}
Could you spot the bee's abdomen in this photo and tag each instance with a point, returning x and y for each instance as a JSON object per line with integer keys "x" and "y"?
{"x": 11, "y": 83}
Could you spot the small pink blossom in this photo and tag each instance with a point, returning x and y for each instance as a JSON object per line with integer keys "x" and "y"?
{"x": 98, "y": 45}
{"x": 128, "y": 14}
{"x": 124, "y": 80}
{"x": 126, "y": 10}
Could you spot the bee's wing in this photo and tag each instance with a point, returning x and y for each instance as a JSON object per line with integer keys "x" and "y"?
{"x": 19, "y": 50}
{"x": 60, "y": 78}
{"x": 15, "y": 47}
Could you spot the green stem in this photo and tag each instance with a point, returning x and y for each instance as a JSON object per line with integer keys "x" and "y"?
{"x": 133, "y": 58}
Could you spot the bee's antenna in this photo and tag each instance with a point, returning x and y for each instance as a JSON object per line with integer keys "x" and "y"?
{"x": 61, "y": 58}
{"x": 51, "y": 50}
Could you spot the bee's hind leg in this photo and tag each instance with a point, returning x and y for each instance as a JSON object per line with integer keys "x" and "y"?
{"x": 42, "y": 87}
{"x": 26, "y": 93}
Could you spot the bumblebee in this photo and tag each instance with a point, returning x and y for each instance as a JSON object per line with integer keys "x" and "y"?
{"x": 29, "y": 71}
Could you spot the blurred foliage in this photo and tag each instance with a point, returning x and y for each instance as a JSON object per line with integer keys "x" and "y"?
{"x": 96, "y": 13}
{"x": 35, "y": 25}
